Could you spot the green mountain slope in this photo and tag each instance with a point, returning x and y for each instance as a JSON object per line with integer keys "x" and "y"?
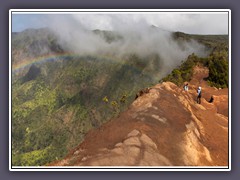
{"x": 53, "y": 110}
{"x": 216, "y": 61}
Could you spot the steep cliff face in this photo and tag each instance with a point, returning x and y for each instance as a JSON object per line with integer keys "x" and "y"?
{"x": 162, "y": 127}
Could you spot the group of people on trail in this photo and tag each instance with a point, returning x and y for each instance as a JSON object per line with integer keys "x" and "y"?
{"x": 199, "y": 94}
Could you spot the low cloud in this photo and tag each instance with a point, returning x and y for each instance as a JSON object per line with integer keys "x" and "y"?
{"x": 137, "y": 37}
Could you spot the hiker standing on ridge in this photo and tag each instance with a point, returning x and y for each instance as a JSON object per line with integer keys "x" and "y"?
{"x": 199, "y": 91}
{"x": 185, "y": 87}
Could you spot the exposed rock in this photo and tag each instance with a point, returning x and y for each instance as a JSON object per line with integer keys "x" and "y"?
{"x": 141, "y": 92}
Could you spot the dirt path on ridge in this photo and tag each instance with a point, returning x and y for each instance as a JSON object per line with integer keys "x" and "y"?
{"x": 165, "y": 127}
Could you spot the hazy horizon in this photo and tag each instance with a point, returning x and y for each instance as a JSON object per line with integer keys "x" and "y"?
{"x": 196, "y": 23}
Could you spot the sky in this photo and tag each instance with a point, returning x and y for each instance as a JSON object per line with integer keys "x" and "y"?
{"x": 192, "y": 23}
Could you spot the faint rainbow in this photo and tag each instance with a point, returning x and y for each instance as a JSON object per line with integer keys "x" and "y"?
{"x": 45, "y": 58}
{"x": 61, "y": 56}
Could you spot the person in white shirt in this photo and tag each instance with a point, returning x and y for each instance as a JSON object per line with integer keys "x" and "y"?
{"x": 199, "y": 91}
{"x": 185, "y": 87}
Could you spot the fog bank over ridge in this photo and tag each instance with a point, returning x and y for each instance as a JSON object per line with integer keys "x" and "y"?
{"x": 137, "y": 37}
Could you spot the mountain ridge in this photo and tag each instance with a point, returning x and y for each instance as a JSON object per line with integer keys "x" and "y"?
{"x": 163, "y": 127}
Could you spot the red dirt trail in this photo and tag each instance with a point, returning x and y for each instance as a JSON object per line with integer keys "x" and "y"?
{"x": 165, "y": 127}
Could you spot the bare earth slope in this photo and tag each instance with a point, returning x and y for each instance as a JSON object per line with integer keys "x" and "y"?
{"x": 165, "y": 127}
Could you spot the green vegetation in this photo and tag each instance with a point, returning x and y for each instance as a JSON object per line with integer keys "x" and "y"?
{"x": 218, "y": 67}
{"x": 183, "y": 72}
{"x": 217, "y": 62}
{"x": 52, "y": 112}
{"x": 32, "y": 158}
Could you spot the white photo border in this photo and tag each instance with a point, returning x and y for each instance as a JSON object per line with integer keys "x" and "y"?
{"x": 118, "y": 168}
